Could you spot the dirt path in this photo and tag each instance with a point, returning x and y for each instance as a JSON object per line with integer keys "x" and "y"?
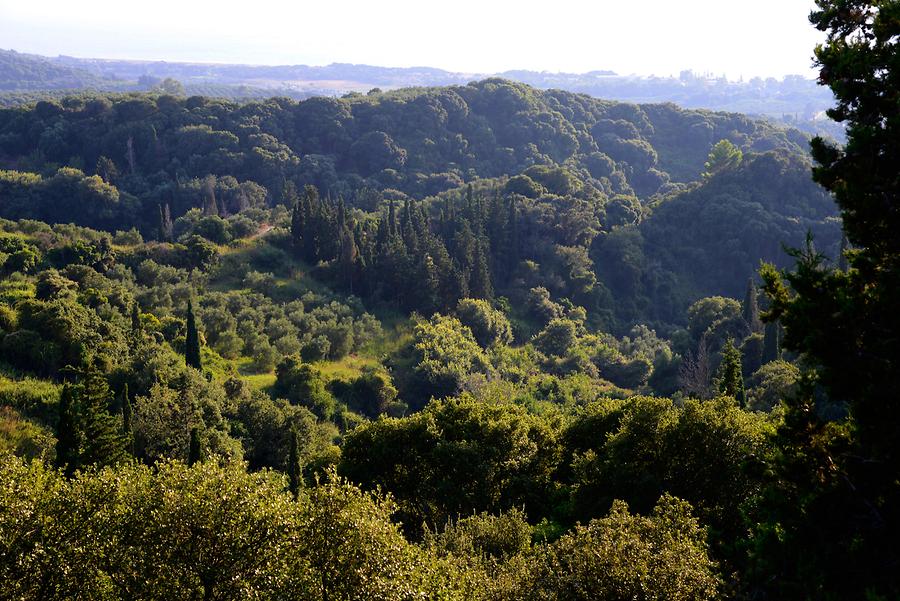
{"x": 262, "y": 231}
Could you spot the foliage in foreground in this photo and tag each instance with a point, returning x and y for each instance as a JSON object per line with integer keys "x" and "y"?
{"x": 215, "y": 531}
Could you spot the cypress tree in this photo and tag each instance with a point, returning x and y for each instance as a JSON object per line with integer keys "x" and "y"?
{"x": 127, "y": 426}
{"x": 162, "y": 226}
{"x": 67, "y": 432}
{"x": 512, "y": 250}
{"x": 298, "y": 221}
{"x": 694, "y": 373}
{"x": 392, "y": 220}
{"x": 429, "y": 288}
{"x": 208, "y": 187}
{"x": 408, "y": 230}
{"x": 730, "y": 376}
{"x": 772, "y": 342}
{"x": 192, "y": 341}
{"x": 383, "y": 233}
{"x": 295, "y": 469}
{"x": 289, "y": 195}
{"x": 194, "y": 449}
{"x": 349, "y": 254}
{"x": 837, "y": 500}
{"x": 165, "y": 223}
{"x": 135, "y": 318}
{"x": 843, "y": 263}
{"x": 751, "y": 308}
{"x": 480, "y": 283}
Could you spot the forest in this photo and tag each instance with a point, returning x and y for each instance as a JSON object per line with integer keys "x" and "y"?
{"x": 481, "y": 341}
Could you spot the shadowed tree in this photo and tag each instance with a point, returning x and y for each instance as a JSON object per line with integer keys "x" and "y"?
{"x": 67, "y": 432}
{"x": 772, "y": 342}
{"x": 192, "y": 340}
{"x": 730, "y": 374}
{"x": 750, "y": 308}
{"x": 194, "y": 451}
{"x": 127, "y": 425}
{"x": 841, "y": 478}
{"x": 103, "y": 442}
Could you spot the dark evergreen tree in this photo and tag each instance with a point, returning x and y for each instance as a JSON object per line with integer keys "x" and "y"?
{"x": 730, "y": 374}
{"x": 408, "y": 229}
{"x": 135, "y": 318}
{"x": 843, "y": 263}
{"x": 192, "y": 341}
{"x": 771, "y": 342}
{"x": 298, "y": 226}
{"x": 127, "y": 426}
{"x": 750, "y": 308}
{"x": 392, "y": 220}
{"x": 289, "y": 195}
{"x": 512, "y": 256}
{"x": 349, "y": 256}
{"x": 695, "y": 372}
{"x": 68, "y": 432}
{"x": 194, "y": 450}
{"x": 166, "y": 226}
{"x": 839, "y": 520}
{"x": 103, "y": 441}
{"x": 208, "y": 187}
{"x": 429, "y": 289}
{"x": 480, "y": 284}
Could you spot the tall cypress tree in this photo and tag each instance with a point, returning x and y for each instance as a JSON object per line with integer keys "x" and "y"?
{"x": 192, "y": 341}
{"x": 772, "y": 342}
{"x": 349, "y": 254}
{"x": 392, "y": 220}
{"x": 295, "y": 469}
{"x": 512, "y": 251}
{"x": 843, "y": 263}
{"x": 730, "y": 375}
{"x": 289, "y": 195}
{"x": 165, "y": 223}
{"x": 127, "y": 426}
{"x": 68, "y": 436}
{"x": 298, "y": 225}
{"x": 135, "y": 318}
{"x": 194, "y": 450}
{"x": 480, "y": 282}
{"x": 751, "y": 308}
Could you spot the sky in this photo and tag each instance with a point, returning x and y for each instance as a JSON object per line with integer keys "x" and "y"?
{"x": 737, "y": 38}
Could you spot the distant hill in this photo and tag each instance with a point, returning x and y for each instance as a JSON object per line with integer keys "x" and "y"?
{"x": 794, "y": 100}
{"x": 32, "y": 72}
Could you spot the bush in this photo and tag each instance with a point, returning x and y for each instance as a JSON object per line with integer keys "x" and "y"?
{"x": 303, "y": 385}
{"x": 483, "y": 535}
{"x": 661, "y": 557}
{"x": 489, "y": 326}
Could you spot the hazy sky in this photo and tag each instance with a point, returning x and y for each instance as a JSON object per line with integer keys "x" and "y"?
{"x": 662, "y": 37}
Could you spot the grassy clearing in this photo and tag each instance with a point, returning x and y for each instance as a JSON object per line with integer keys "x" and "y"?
{"x": 23, "y": 437}
{"x": 259, "y": 381}
{"x": 348, "y": 368}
